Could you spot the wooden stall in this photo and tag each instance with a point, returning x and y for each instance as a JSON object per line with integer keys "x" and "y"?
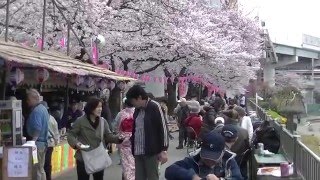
{"x": 56, "y": 70}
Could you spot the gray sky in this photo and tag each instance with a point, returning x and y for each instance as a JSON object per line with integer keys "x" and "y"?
{"x": 286, "y": 19}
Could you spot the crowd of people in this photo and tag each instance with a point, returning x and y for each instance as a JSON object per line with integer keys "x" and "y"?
{"x": 219, "y": 126}
{"x": 216, "y": 120}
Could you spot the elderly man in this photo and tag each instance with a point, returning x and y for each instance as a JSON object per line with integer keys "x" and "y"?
{"x": 213, "y": 162}
{"x": 182, "y": 112}
{"x": 37, "y": 128}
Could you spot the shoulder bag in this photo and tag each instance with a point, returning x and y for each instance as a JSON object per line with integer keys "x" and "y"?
{"x": 97, "y": 159}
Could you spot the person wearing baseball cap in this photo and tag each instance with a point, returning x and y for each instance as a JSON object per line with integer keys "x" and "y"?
{"x": 230, "y": 134}
{"x": 212, "y": 162}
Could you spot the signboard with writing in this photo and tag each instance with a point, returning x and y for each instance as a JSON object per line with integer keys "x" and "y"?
{"x": 17, "y": 163}
{"x": 310, "y": 40}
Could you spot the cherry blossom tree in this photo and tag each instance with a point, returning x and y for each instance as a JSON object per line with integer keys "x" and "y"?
{"x": 290, "y": 79}
{"x": 219, "y": 44}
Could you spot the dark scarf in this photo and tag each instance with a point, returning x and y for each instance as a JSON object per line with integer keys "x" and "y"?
{"x": 94, "y": 124}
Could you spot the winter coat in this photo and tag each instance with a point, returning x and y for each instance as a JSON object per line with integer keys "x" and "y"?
{"x": 188, "y": 167}
{"x": 194, "y": 121}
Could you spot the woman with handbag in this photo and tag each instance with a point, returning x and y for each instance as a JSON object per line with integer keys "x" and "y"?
{"x": 88, "y": 136}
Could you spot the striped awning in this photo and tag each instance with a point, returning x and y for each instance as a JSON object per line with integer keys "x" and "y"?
{"x": 14, "y": 52}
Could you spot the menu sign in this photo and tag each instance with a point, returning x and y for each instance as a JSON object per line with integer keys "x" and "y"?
{"x": 17, "y": 163}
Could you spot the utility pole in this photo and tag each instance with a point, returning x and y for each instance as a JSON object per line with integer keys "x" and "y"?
{"x": 7, "y": 20}
{"x": 43, "y": 23}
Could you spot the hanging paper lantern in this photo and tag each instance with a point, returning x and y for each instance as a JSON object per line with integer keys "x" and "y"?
{"x": 121, "y": 85}
{"x": 89, "y": 82}
{"x": 105, "y": 94}
{"x": 102, "y": 84}
{"x": 78, "y": 80}
{"x": 100, "y": 40}
{"x": 111, "y": 85}
{"x": 16, "y": 76}
{"x": 42, "y": 75}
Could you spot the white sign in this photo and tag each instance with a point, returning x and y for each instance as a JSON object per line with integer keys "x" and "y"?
{"x": 310, "y": 40}
{"x": 18, "y": 162}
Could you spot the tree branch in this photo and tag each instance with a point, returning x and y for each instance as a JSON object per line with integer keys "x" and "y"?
{"x": 150, "y": 69}
{"x": 4, "y": 5}
{"x": 109, "y": 2}
{"x": 160, "y": 62}
{"x": 13, "y": 26}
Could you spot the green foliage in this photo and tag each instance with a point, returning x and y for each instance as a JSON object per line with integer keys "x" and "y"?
{"x": 264, "y": 104}
{"x": 274, "y": 115}
{"x": 288, "y": 100}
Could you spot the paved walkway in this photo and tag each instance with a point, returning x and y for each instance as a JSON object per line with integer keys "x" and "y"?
{"x": 114, "y": 171}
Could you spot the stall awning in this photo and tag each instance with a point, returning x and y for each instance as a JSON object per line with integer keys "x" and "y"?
{"x": 55, "y": 61}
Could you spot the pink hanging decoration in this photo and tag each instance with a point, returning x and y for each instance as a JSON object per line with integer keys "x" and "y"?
{"x": 42, "y": 75}
{"x": 39, "y": 43}
{"x": 155, "y": 79}
{"x": 143, "y": 78}
{"x": 63, "y": 42}
{"x": 183, "y": 89}
{"x": 94, "y": 52}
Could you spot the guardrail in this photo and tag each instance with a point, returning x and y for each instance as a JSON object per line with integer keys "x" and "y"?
{"x": 307, "y": 163}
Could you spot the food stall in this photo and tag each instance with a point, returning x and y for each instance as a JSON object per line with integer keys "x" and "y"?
{"x": 37, "y": 67}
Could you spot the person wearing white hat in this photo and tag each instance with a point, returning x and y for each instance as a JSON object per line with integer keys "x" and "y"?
{"x": 219, "y": 122}
{"x": 194, "y": 120}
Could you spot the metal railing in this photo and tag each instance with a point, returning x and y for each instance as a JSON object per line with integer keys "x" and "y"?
{"x": 307, "y": 163}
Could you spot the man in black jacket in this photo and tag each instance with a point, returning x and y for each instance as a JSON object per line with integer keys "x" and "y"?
{"x": 149, "y": 137}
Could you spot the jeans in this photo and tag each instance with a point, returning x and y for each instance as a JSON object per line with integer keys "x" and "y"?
{"x": 47, "y": 164}
{"x": 41, "y": 152}
{"x": 146, "y": 167}
{"x": 82, "y": 174}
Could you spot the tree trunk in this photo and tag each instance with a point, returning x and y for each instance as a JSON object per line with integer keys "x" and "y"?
{"x": 172, "y": 96}
{"x": 172, "y": 89}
